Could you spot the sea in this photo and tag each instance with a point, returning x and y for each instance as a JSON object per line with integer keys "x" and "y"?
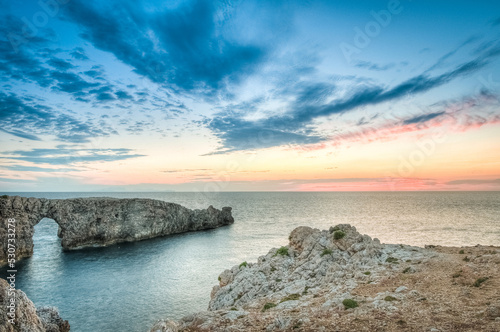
{"x": 128, "y": 286}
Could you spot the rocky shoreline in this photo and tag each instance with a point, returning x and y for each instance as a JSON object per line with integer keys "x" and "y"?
{"x": 101, "y": 221}
{"x": 24, "y": 314}
{"x": 340, "y": 280}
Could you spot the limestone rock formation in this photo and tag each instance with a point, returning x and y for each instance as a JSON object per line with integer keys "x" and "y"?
{"x": 340, "y": 280}
{"x": 26, "y": 317}
{"x": 101, "y": 221}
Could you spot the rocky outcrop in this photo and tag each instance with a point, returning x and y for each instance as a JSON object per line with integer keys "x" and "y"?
{"x": 23, "y": 316}
{"x": 100, "y": 221}
{"x": 340, "y": 280}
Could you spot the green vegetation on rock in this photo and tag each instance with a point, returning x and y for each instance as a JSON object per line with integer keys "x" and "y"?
{"x": 350, "y": 303}
{"x": 326, "y": 252}
{"x": 291, "y": 297}
{"x": 338, "y": 235}
{"x": 268, "y": 305}
{"x": 283, "y": 251}
{"x": 479, "y": 281}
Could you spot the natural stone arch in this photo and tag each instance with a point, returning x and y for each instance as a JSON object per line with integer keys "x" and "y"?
{"x": 101, "y": 221}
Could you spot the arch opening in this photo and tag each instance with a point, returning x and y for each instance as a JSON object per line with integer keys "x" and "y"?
{"x": 46, "y": 237}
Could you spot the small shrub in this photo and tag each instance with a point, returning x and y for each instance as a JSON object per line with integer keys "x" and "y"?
{"x": 4, "y": 196}
{"x": 461, "y": 252}
{"x": 291, "y": 297}
{"x": 350, "y": 303}
{"x": 456, "y": 275}
{"x": 234, "y": 309}
{"x": 283, "y": 251}
{"x": 333, "y": 229}
{"x": 408, "y": 260}
{"x": 326, "y": 252}
{"x": 367, "y": 273}
{"x": 466, "y": 259}
{"x": 268, "y": 305}
{"x": 338, "y": 235}
{"x": 278, "y": 280}
{"x": 218, "y": 278}
{"x": 390, "y": 298}
{"x": 479, "y": 281}
{"x": 273, "y": 269}
{"x": 392, "y": 260}
{"x": 305, "y": 290}
{"x": 407, "y": 269}
{"x": 297, "y": 326}
{"x": 244, "y": 264}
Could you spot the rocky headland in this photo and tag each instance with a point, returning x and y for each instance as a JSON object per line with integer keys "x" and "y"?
{"x": 340, "y": 280}
{"x": 101, "y": 221}
{"x": 25, "y": 316}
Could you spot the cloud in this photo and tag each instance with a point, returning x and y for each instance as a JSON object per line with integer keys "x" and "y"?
{"x": 236, "y": 132}
{"x": 423, "y": 118}
{"x": 21, "y": 168}
{"x": 79, "y": 54}
{"x": 24, "y": 118}
{"x": 21, "y": 134}
{"x": 70, "y": 155}
{"x": 373, "y": 66}
{"x": 185, "y": 47}
{"x": 60, "y": 64}
{"x": 474, "y": 182}
{"x": 452, "y": 116}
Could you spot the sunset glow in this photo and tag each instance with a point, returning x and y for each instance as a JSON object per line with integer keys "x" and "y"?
{"x": 210, "y": 96}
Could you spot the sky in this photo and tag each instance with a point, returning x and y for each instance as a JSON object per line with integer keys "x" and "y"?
{"x": 196, "y": 95}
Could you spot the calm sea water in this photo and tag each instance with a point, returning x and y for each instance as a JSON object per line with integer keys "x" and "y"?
{"x": 127, "y": 287}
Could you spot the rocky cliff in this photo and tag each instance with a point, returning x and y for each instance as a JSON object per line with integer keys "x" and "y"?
{"x": 340, "y": 280}
{"x": 25, "y": 316}
{"x": 101, "y": 221}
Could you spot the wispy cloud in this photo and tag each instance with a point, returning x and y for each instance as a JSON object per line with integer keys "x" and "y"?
{"x": 70, "y": 156}
{"x": 27, "y": 119}
{"x": 474, "y": 182}
{"x": 236, "y": 132}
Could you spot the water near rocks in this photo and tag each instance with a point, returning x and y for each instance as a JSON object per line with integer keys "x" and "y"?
{"x": 127, "y": 287}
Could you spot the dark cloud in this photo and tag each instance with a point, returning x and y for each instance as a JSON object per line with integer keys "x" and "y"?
{"x": 104, "y": 96}
{"x": 21, "y": 134}
{"x": 70, "y": 82}
{"x": 123, "y": 95}
{"x": 79, "y": 54}
{"x": 27, "y": 119}
{"x": 423, "y": 118}
{"x": 69, "y": 155}
{"x": 183, "y": 47}
{"x": 60, "y": 64}
{"x": 35, "y": 62}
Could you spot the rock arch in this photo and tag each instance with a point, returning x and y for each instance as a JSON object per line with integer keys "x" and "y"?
{"x": 101, "y": 221}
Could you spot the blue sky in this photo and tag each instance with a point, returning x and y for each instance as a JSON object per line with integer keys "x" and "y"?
{"x": 299, "y": 95}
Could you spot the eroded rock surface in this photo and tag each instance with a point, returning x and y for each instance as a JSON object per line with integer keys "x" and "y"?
{"x": 340, "y": 280}
{"x": 27, "y": 318}
{"x": 101, "y": 221}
